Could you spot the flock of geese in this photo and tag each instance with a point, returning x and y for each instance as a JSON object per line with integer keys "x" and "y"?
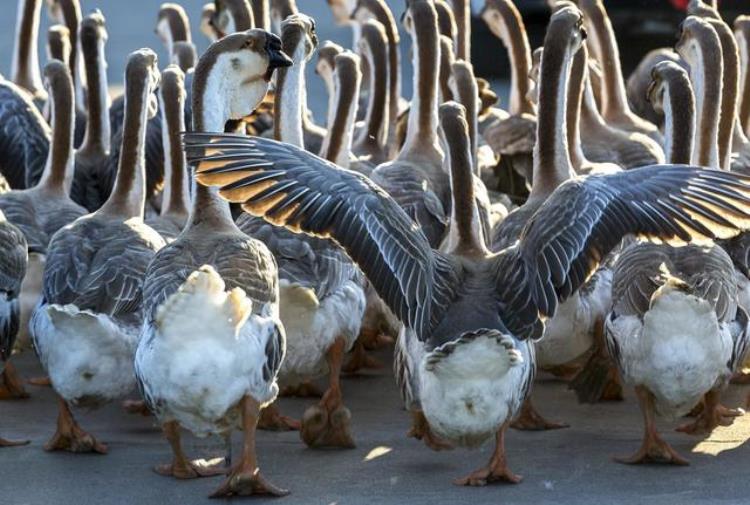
{"x": 597, "y": 228}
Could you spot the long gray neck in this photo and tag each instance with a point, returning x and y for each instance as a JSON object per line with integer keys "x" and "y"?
{"x": 578, "y": 73}
{"x": 421, "y": 134}
{"x": 744, "y": 48}
{"x": 338, "y": 141}
{"x": 129, "y": 194}
{"x": 730, "y": 91}
{"x": 289, "y": 99}
{"x": 176, "y": 193}
{"x": 679, "y": 122}
{"x": 71, "y": 14}
{"x": 378, "y": 105}
{"x": 552, "y": 164}
{"x": 97, "y": 136}
{"x": 58, "y": 171}
{"x": 705, "y": 65}
{"x": 25, "y": 64}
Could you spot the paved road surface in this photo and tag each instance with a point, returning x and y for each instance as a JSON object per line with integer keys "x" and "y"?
{"x": 571, "y": 466}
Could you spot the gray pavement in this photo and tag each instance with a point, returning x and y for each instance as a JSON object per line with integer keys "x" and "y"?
{"x": 570, "y": 466}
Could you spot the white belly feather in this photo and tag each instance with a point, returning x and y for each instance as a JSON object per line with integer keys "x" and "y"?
{"x": 88, "y": 356}
{"x": 678, "y": 352}
{"x": 205, "y": 352}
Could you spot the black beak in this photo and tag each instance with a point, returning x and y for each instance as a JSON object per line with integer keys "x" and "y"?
{"x": 276, "y": 57}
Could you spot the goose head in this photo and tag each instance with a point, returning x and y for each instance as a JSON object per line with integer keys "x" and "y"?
{"x": 184, "y": 55}
{"x": 343, "y": 10}
{"x": 206, "y": 25}
{"x": 326, "y": 62}
{"x": 662, "y": 75}
{"x": 697, "y": 40}
{"x": 232, "y": 16}
{"x": 446, "y": 20}
{"x": 142, "y": 67}
{"x": 58, "y": 43}
{"x": 299, "y": 37}
{"x": 172, "y": 25}
{"x": 232, "y": 76}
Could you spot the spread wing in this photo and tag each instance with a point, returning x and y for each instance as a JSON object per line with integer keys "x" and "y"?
{"x": 24, "y": 137}
{"x": 293, "y": 188}
{"x": 584, "y": 219}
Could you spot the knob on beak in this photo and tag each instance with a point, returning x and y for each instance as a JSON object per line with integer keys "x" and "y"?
{"x": 276, "y": 57}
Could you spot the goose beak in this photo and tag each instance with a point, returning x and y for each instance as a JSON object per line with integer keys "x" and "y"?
{"x": 276, "y": 57}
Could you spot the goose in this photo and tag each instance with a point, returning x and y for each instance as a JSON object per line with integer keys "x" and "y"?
{"x": 564, "y": 339}
{"x": 176, "y": 194}
{"x": 512, "y": 137}
{"x": 300, "y": 40}
{"x": 93, "y": 158}
{"x": 371, "y": 142}
{"x": 25, "y": 62}
{"x": 325, "y": 66}
{"x": 39, "y": 212}
{"x": 206, "y": 25}
{"x": 321, "y": 296}
{"x": 172, "y": 25}
{"x": 415, "y": 178}
{"x": 13, "y": 258}
{"x": 615, "y": 107}
{"x": 640, "y": 79}
{"x": 675, "y": 309}
{"x": 742, "y": 33}
{"x": 378, "y": 10}
{"x": 230, "y": 279}
{"x": 86, "y": 327}
{"x": 469, "y": 317}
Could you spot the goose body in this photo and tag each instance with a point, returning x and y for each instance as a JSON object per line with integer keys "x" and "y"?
{"x": 86, "y": 327}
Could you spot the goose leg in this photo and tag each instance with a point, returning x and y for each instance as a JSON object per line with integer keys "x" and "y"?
{"x": 12, "y": 385}
{"x": 496, "y": 470}
{"x": 181, "y": 467}
{"x": 359, "y": 359}
{"x": 712, "y": 415}
{"x": 598, "y": 380}
{"x": 271, "y": 419}
{"x": 328, "y": 424}
{"x": 653, "y": 448}
{"x": 245, "y": 478}
{"x": 12, "y": 443}
{"x": 70, "y": 437}
{"x": 43, "y": 381}
{"x": 531, "y": 420}
{"x": 421, "y": 431}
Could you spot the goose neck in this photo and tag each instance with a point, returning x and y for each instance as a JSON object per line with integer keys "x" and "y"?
{"x": 704, "y": 66}
{"x": 289, "y": 99}
{"x": 58, "y": 171}
{"x": 338, "y": 141}
{"x": 552, "y": 165}
{"x": 575, "y": 101}
{"x": 421, "y": 133}
{"x": 177, "y": 192}
{"x": 730, "y": 91}
{"x": 679, "y": 122}
{"x": 97, "y": 136}
{"x": 25, "y": 63}
{"x": 129, "y": 193}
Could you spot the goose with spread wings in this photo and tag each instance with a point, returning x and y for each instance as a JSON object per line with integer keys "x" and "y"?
{"x": 470, "y": 318}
